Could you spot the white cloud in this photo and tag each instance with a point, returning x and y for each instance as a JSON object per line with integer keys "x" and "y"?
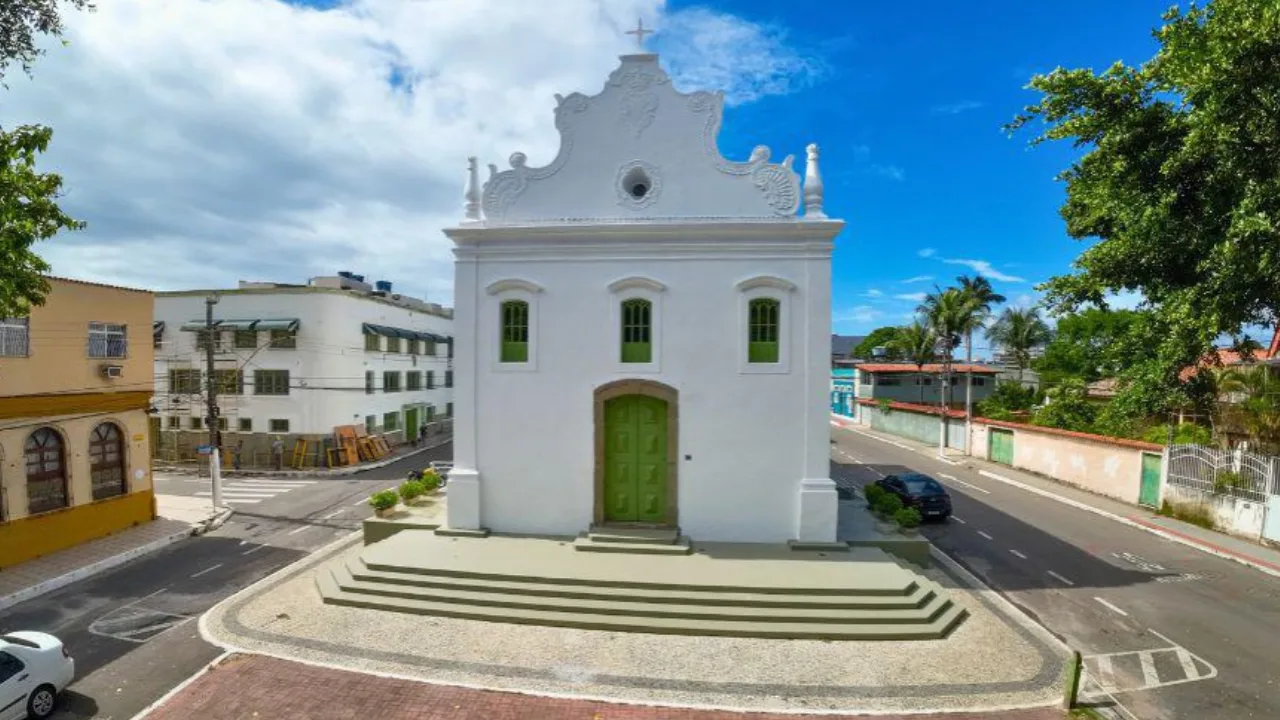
{"x": 926, "y": 252}
{"x": 206, "y": 142}
{"x": 982, "y": 267}
{"x": 856, "y": 314}
{"x": 913, "y": 297}
{"x": 919, "y": 278}
{"x": 873, "y": 293}
{"x": 893, "y": 172}
{"x": 957, "y": 107}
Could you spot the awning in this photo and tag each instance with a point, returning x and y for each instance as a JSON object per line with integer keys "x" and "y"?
{"x": 290, "y": 324}
{"x": 197, "y": 325}
{"x": 237, "y": 324}
{"x": 385, "y": 331}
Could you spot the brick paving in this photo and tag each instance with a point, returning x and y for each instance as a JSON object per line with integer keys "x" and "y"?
{"x": 255, "y": 686}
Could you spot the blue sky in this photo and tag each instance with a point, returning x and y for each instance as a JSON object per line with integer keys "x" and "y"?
{"x": 908, "y": 106}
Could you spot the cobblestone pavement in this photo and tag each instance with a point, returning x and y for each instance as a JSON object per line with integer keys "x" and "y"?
{"x": 255, "y": 686}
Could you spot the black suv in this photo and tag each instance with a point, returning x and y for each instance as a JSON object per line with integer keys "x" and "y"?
{"x": 920, "y": 492}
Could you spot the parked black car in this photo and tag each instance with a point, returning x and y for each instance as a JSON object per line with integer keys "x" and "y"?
{"x": 920, "y": 492}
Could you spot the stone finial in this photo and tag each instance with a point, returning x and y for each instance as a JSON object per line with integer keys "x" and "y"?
{"x": 472, "y": 194}
{"x": 813, "y": 185}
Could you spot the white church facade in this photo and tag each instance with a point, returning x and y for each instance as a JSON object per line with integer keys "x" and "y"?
{"x": 642, "y": 330}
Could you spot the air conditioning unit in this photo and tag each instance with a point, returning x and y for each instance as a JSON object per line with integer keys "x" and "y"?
{"x": 112, "y": 371}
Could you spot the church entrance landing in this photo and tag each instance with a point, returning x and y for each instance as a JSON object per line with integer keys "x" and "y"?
{"x": 635, "y": 451}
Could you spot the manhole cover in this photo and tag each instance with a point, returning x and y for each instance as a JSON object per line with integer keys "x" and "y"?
{"x": 135, "y": 624}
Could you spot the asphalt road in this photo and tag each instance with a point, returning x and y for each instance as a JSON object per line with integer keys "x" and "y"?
{"x": 132, "y": 630}
{"x": 1177, "y": 633}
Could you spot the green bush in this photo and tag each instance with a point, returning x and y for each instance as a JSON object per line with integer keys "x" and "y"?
{"x": 889, "y": 504}
{"x": 1007, "y": 398}
{"x": 383, "y": 500}
{"x": 1228, "y": 480}
{"x": 430, "y": 479}
{"x": 1195, "y": 514}
{"x": 907, "y": 518}
{"x": 872, "y": 493}
{"x": 1183, "y": 434}
{"x": 412, "y": 489}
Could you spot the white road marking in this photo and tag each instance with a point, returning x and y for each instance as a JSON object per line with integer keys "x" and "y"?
{"x": 207, "y": 570}
{"x": 332, "y": 515}
{"x": 1149, "y": 674}
{"x": 952, "y": 478}
{"x": 1106, "y": 676}
{"x": 1109, "y": 606}
{"x": 269, "y": 481}
{"x": 361, "y": 501}
{"x": 1015, "y": 553}
{"x": 1188, "y": 664}
{"x": 249, "y": 494}
{"x": 985, "y": 535}
{"x": 959, "y": 519}
{"x": 250, "y": 551}
{"x": 1058, "y": 577}
{"x": 295, "y": 531}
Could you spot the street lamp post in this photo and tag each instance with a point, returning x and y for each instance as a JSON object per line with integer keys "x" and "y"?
{"x": 211, "y": 405}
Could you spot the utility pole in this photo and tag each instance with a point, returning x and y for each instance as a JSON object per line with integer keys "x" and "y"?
{"x": 211, "y": 396}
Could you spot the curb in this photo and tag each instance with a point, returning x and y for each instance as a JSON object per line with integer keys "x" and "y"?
{"x": 92, "y": 569}
{"x": 181, "y": 686}
{"x": 334, "y": 472}
{"x": 213, "y": 522}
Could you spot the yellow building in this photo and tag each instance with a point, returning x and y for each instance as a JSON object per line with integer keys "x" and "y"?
{"x": 75, "y": 384}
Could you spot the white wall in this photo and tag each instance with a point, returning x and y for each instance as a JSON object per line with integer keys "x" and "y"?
{"x": 746, "y": 438}
{"x": 327, "y": 370}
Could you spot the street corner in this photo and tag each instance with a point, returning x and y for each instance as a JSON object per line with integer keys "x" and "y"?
{"x": 242, "y": 685}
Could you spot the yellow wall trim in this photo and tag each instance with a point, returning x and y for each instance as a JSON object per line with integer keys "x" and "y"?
{"x": 38, "y": 535}
{"x": 36, "y": 406}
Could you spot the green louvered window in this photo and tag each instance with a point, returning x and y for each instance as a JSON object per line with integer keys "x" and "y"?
{"x": 762, "y": 339}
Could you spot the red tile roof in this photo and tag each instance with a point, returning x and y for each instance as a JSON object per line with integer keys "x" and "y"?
{"x": 928, "y": 368}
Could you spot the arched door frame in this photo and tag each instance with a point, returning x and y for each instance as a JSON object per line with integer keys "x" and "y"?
{"x": 122, "y": 448}
{"x": 648, "y": 388}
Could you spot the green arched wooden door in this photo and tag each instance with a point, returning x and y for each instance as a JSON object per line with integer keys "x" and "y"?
{"x": 635, "y": 460}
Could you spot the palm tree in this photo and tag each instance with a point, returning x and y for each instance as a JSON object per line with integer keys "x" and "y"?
{"x": 1018, "y": 331}
{"x": 1254, "y": 394}
{"x": 948, "y": 313}
{"x": 917, "y": 343}
{"x": 983, "y": 296}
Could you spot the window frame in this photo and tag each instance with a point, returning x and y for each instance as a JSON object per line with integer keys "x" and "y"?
{"x": 621, "y": 292}
{"x": 244, "y": 425}
{"x": 184, "y": 388}
{"x": 271, "y": 426}
{"x": 370, "y": 382}
{"x": 766, "y": 288}
{"x": 393, "y": 345}
{"x": 491, "y": 322}
{"x": 282, "y": 339}
{"x": 388, "y": 387}
{"x": 15, "y": 335}
{"x": 372, "y": 342}
{"x": 45, "y": 475}
{"x": 412, "y": 380}
{"x": 513, "y": 323}
{"x": 244, "y": 340}
{"x": 393, "y": 427}
{"x": 258, "y": 385}
{"x": 236, "y": 384}
{"x": 112, "y": 340}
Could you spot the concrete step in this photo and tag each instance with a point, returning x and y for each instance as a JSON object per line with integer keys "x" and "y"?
{"x": 937, "y": 626}
{"x": 588, "y": 543}
{"x": 644, "y": 536}
{"x": 621, "y": 606}
{"x": 916, "y": 596}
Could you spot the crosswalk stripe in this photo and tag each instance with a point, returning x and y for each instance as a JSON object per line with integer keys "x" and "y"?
{"x": 286, "y": 483}
{"x": 239, "y": 493}
{"x": 1106, "y": 678}
{"x": 238, "y": 501}
{"x": 272, "y": 488}
{"x": 1188, "y": 665}
{"x": 1149, "y": 674}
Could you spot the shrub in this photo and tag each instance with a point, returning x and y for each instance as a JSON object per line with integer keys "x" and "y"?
{"x": 907, "y": 518}
{"x": 1227, "y": 481}
{"x": 872, "y": 493}
{"x": 411, "y": 489}
{"x": 1183, "y": 434}
{"x": 430, "y": 479}
{"x": 889, "y": 504}
{"x": 884, "y": 404}
{"x": 1196, "y": 514}
{"x": 383, "y": 500}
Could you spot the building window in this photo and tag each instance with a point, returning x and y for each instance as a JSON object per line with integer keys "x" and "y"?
{"x": 431, "y": 379}
{"x": 393, "y": 344}
{"x": 184, "y": 381}
{"x": 889, "y": 382}
{"x": 107, "y": 340}
{"x": 197, "y": 423}
{"x": 271, "y": 382}
{"x": 415, "y": 347}
{"x": 762, "y": 340}
{"x": 246, "y": 339}
{"x": 372, "y": 342}
{"x": 175, "y": 422}
{"x": 449, "y": 345}
{"x": 448, "y": 410}
{"x": 448, "y": 378}
{"x": 413, "y": 380}
{"x": 866, "y": 378}
{"x": 222, "y": 424}
{"x": 15, "y": 337}
{"x": 390, "y": 421}
{"x": 278, "y": 426}
{"x": 637, "y": 317}
{"x": 429, "y": 348}
{"x": 202, "y": 340}
{"x": 368, "y": 382}
{"x": 979, "y": 382}
{"x": 926, "y": 381}
{"x": 229, "y": 382}
{"x": 284, "y": 340}
{"x": 106, "y": 460}
{"x": 515, "y": 331}
{"x": 245, "y": 425}
{"x": 370, "y": 424}
{"x": 391, "y": 381}
{"x": 46, "y": 472}
{"x": 431, "y": 413}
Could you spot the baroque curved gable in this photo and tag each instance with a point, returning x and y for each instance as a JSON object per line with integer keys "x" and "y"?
{"x": 640, "y": 150}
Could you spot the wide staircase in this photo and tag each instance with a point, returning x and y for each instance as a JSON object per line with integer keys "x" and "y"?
{"x": 725, "y": 590}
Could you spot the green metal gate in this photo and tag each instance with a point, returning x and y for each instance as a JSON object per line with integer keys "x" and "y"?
{"x": 1000, "y": 446}
{"x": 1149, "y": 493}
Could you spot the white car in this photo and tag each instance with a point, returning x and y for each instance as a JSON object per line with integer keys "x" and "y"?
{"x": 34, "y": 668}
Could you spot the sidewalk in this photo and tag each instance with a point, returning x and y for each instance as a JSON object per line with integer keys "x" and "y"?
{"x": 1259, "y": 557}
{"x": 401, "y": 452}
{"x": 246, "y": 686}
{"x": 179, "y": 518}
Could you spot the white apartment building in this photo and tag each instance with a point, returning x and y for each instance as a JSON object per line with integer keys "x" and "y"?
{"x": 294, "y": 361}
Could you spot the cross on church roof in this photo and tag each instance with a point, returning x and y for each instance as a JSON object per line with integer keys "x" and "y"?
{"x": 640, "y": 32}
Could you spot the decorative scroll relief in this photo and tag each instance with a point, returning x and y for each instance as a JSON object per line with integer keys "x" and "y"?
{"x": 504, "y": 187}
{"x": 777, "y": 182}
{"x": 639, "y": 103}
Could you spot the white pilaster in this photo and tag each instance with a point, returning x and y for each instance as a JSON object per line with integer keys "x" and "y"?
{"x": 464, "y": 511}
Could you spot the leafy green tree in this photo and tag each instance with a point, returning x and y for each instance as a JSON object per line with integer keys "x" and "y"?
{"x": 1067, "y": 407}
{"x": 1083, "y": 346}
{"x": 917, "y": 344}
{"x": 1018, "y": 331}
{"x": 1178, "y": 190}
{"x": 1006, "y": 399}
{"x": 950, "y": 314}
{"x": 29, "y": 210}
{"x": 880, "y": 337}
{"x": 982, "y": 297}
